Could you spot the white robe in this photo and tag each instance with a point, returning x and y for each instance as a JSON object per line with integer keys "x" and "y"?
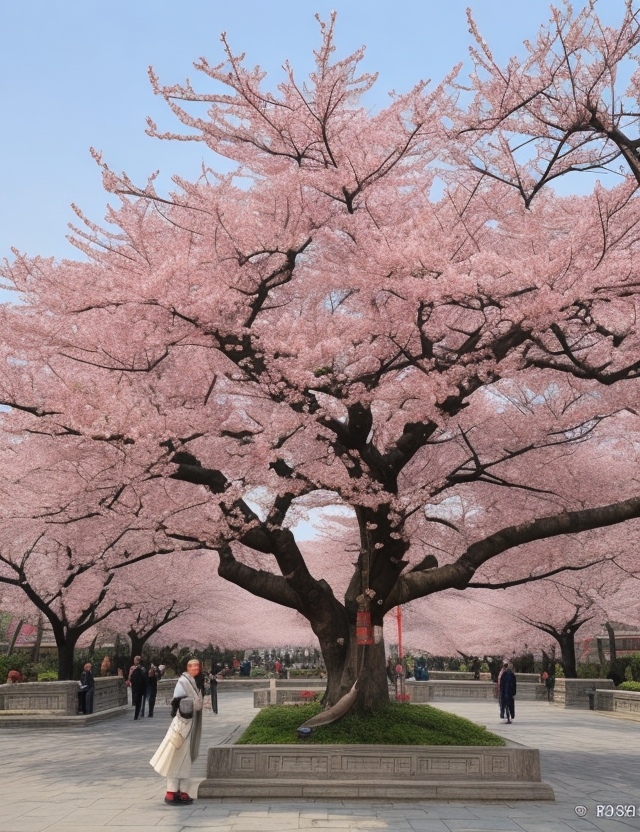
{"x": 171, "y": 761}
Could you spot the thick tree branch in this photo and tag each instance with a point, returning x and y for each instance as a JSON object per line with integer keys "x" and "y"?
{"x": 457, "y": 575}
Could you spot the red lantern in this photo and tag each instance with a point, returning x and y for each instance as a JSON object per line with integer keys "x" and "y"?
{"x": 364, "y": 630}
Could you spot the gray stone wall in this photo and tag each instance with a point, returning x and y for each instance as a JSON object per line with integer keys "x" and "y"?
{"x": 574, "y": 693}
{"x": 60, "y": 698}
{"x": 625, "y": 702}
{"x": 421, "y": 692}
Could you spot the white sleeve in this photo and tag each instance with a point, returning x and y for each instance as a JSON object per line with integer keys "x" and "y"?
{"x": 179, "y": 690}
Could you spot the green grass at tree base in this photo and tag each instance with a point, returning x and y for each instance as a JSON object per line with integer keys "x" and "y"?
{"x": 396, "y": 724}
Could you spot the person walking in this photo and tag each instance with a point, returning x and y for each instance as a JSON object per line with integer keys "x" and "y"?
{"x": 138, "y": 683}
{"x": 181, "y": 744}
{"x": 86, "y": 690}
{"x": 507, "y": 693}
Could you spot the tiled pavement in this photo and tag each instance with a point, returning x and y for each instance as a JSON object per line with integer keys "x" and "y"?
{"x": 81, "y": 780}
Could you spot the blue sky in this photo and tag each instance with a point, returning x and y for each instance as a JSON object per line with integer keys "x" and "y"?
{"x": 73, "y": 74}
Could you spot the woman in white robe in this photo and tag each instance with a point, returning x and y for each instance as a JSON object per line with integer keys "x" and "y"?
{"x": 182, "y": 741}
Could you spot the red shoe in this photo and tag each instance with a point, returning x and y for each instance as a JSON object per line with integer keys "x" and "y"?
{"x": 184, "y": 798}
{"x": 172, "y": 798}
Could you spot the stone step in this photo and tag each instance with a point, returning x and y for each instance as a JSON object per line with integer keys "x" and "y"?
{"x": 381, "y": 790}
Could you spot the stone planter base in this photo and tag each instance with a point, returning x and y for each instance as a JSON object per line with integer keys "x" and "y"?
{"x": 399, "y": 772}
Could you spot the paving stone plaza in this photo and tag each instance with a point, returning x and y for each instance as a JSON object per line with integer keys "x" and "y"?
{"x": 99, "y": 777}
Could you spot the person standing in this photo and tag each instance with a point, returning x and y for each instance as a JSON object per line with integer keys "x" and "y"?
{"x": 498, "y": 695}
{"x": 151, "y": 691}
{"x": 507, "y": 693}
{"x": 213, "y": 689}
{"x": 549, "y": 684}
{"x": 181, "y": 744}
{"x": 86, "y": 690}
{"x": 138, "y": 683}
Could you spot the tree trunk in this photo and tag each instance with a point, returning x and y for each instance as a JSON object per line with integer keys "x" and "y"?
{"x": 352, "y": 661}
{"x": 137, "y": 644}
{"x": 35, "y": 656}
{"x": 334, "y": 661}
{"x": 601, "y": 658}
{"x": 567, "y": 643}
{"x": 365, "y": 663}
{"x": 612, "y": 642}
{"x": 14, "y": 637}
{"x": 66, "y": 649}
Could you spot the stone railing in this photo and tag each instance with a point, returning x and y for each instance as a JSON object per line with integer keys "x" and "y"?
{"x": 419, "y": 692}
{"x": 465, "y": 676}
{"x": 624, "y": 702}
{"x": 59, "y": 698}
{"x": 235, "y": 684}
{"x": 574, "y": 693}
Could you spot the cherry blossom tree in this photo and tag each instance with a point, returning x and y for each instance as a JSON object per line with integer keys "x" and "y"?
{"x": 387, "y": 312}
{"x": 157, "y": 591}
{"x": 563, "y": 604}
{"x": 67, "y": 534}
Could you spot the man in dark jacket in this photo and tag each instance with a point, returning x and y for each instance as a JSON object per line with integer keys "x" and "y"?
{"x": 152, "y": 689}
{"x": 138, "y": 683}
{"x": 507, "y": 693}
{"x": 86, "y": 689}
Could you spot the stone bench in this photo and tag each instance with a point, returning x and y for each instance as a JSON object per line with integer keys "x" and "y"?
{"x": 389, "y": 772}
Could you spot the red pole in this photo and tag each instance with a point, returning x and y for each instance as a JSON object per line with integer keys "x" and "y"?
{"x": 399, "y": 617}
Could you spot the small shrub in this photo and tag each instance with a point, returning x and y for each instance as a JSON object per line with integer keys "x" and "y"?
{"x": 589, "y": 670}
{"x": 634, "y": 664}
{"x": 299, "y": 673}
{"x": 635, "y": 686}
{"x": 258, "y": 673}
{"x": 48, "y": 676}
{"x": 8, "y": 663}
